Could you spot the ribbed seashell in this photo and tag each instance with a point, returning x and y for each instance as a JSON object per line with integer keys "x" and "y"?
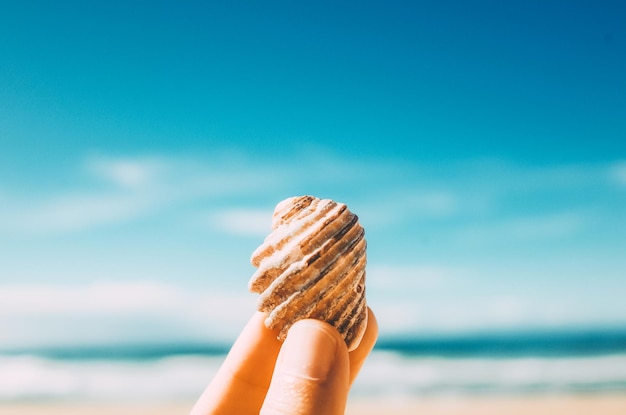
{"x": 312, "y": 265}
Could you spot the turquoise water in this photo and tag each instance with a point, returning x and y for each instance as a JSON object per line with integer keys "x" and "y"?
{"x": 588, "y": 362}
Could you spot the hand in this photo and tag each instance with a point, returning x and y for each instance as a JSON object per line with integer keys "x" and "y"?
{"x": 310, "y": 373}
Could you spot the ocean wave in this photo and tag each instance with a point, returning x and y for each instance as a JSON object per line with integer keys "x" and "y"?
{"x": 391, "y": 373}
{"x": 32, "y": 378}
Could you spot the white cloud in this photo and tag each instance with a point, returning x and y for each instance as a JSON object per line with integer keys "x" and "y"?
{"x": 553, "y": 226}
{"x": 127, "y": 172}
{"x": 77, "y": 209}
{"x": 382, "y": 192}
{"x": 120, "y": 298}
{"x": 95, "y": 298}
{"x": 617, "y": 172}
{"x": 422, "y": 300}
{"x": 393, "y": 206}
{"x": 246, "y": 222}
{"x": 135, "y": 187}
{"x": 508, "y": 310}
{"x": 74, "y": 212}
{"x": 228, "y": 192}
{"x": 409, "y": 278}
{"x": 444, "y": 299}
{"x": 549, "y": 226}
{"x": 441, "y": 315}
{"x": 484, "y": 189}
{"x": 436, "y": 203}
{"x": 136, "y": 311}
{"x": 506, "y": 176}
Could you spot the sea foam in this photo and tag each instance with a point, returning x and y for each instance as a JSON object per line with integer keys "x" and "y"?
{"x": 385, "y": 374}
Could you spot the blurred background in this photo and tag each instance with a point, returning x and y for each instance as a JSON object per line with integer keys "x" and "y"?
{"x": 143, "y": 146}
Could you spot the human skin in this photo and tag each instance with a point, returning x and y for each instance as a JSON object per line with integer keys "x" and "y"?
{"x": 309, "y": 373}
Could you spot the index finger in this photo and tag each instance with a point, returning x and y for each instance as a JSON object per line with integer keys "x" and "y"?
{"x": 240, "y": 385}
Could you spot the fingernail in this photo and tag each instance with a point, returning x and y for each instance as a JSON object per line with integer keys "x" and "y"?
{"x": 309, "y": 351}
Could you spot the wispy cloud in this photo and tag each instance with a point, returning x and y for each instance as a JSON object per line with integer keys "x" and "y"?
{"x": 124, "y": 197}
{"x": 503, "y": 175}
{"x": 126, "y": 189}
{"x": 95, "y": 298}
{"x": 470, "y": 191}
{"x": 112, "y": 190}
{"x": 418, "y": 299}
{"x": 504, "y": 311}
{"x": 523, "y": 228}
{"x": 127, "y": 172}
{"x": 74, "y": 212}
{"x": 618, "y": 172}
{"x": 393, "y": 207}
{"x": 134, "y": 311}
{"x": 239, "y": 221}
{"x": 411, "y": 278}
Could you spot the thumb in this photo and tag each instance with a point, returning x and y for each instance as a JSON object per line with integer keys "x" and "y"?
{"x": 312, "y": 373}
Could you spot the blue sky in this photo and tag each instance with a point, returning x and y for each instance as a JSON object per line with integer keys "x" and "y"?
{"x": 143, "y": 147}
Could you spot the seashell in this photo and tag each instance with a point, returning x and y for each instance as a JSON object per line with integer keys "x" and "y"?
{"x": 312, "y": 265}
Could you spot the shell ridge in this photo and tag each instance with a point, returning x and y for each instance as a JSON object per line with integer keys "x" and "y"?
{"x": 312, "y": 265}
{"x": 317, "y": 293}
{"x": 276, "y": 257}
{"x": 306, "y": 274}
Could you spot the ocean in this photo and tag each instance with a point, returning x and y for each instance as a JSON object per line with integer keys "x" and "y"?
{"x": 495, "y": 364}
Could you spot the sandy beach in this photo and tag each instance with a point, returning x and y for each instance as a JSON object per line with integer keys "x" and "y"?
{"x": 605, "y": 404}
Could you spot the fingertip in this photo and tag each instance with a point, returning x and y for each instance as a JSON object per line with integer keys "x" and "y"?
{"x": 241, "y": 383}
{"x": 312, "y": 372}
{"x": 310, "y": 350}
{"x": 310, "y": 326}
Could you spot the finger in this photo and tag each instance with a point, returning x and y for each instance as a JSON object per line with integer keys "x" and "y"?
{"x": 358, "y": 355}
{"x": 312, "y": 374}
{"x": 240, "y": 385}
